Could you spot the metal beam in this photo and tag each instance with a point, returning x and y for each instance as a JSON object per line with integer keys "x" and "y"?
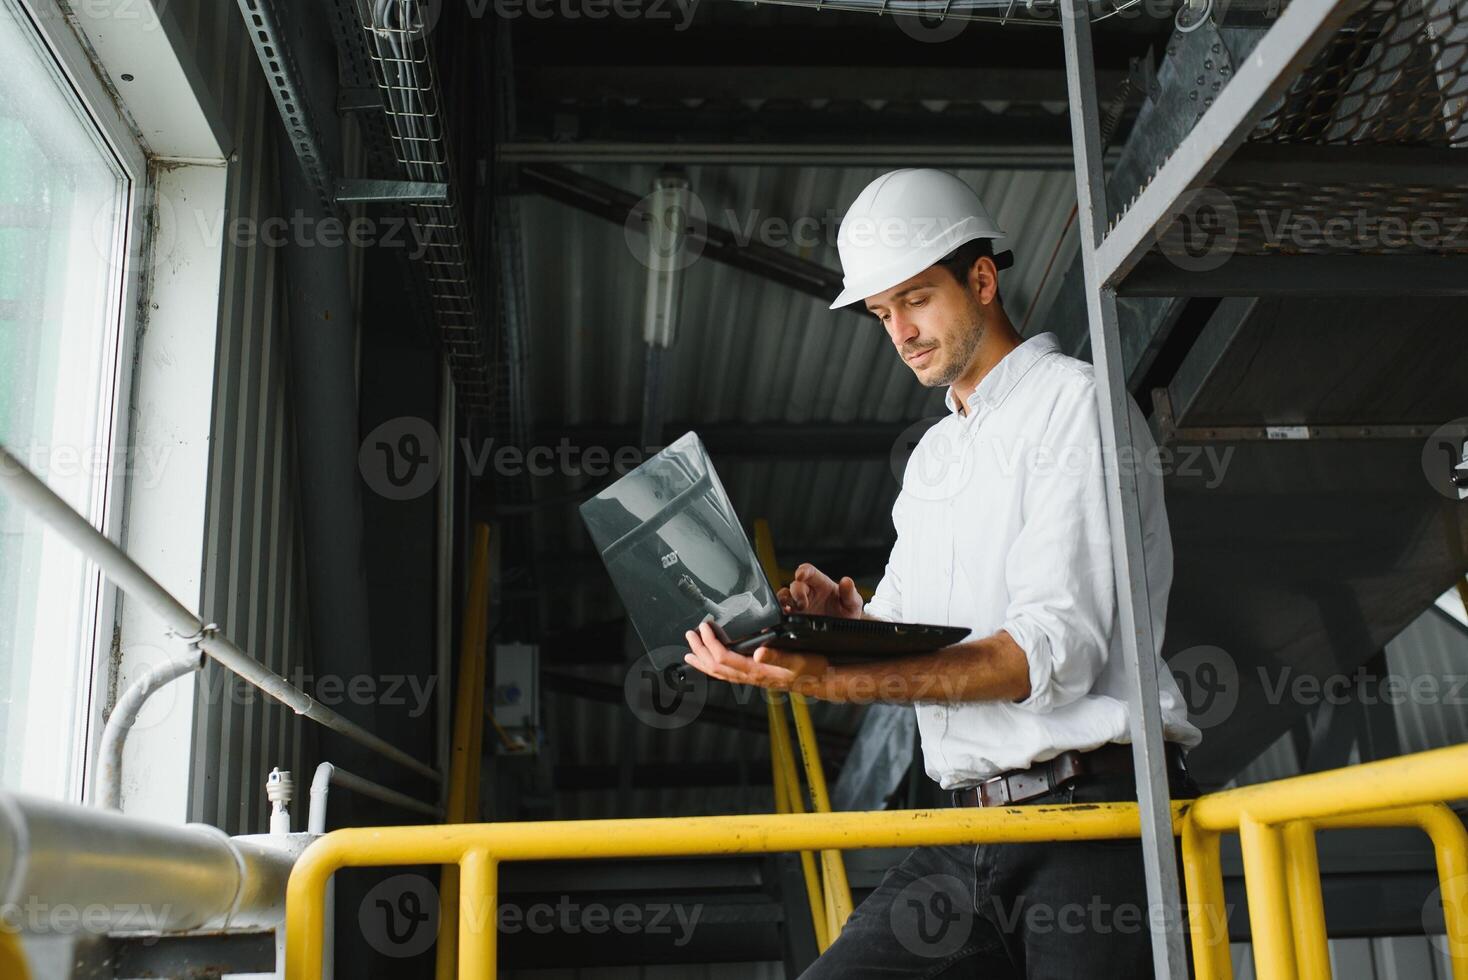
{"x": 1302, "y": 29}
{"x": 1292, "y": 432}
{"x": 1017, "y": 156}
{"x": 203, "y": 957}
{"x": 1294, "y": 163}
{"x": 287, "y": 84}
{"x": 1199, "y": 364}
{"x": 1303, "y": 276}
{"x": 739, "y": 83}
{"x": 718, "y": 243}
{"x": 1134, "y": 611}
{"x": 390, "y": 192}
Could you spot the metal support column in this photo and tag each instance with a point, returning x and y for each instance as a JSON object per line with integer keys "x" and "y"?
{"x": 1133, "y": 602}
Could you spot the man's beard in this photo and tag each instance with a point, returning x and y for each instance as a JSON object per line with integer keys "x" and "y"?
{"x": 962, "y": 355}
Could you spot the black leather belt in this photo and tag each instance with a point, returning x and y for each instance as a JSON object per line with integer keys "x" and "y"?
{"x": 1019, "y": 785}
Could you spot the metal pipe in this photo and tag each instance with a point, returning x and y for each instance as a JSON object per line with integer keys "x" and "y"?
{"x": 1450, "y": 842}
{"x": 1208, "y": 912}
{"x": 444, "y": 585}
{"x": 33, "y": 494}
{"x": 132, "y": 875}
{"x": 1269, "y": 899}
{"x": 326, "y": 774}
{"x": 1207, "y": 908}
{"x": 1307, "y": 904}
{"x": 1409, "y": 780}
{"x": 124, "y": 716}
{"x": 478, "y": 926}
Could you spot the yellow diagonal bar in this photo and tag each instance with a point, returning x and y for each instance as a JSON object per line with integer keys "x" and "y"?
{"x": 463, "y": 792}
{"x": 838, "y": 891}
{"x": 788, "y": 800}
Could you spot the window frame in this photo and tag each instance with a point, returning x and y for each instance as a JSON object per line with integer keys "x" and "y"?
{"x": 74, "y": 70}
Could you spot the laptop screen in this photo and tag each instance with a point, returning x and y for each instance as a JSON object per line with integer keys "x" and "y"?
{"x": 677, "y": 553}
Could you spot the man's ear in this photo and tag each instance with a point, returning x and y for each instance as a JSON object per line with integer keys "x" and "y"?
{"x": 983, "y": 278}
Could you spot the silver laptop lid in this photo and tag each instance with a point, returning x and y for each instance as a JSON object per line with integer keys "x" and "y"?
{"x": 677, "y": 552}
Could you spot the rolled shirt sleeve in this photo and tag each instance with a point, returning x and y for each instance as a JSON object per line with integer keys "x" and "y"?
{"x": 1062, "y": 596}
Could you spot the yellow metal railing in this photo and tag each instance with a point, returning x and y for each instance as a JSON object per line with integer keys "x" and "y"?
{"x": 13, "y": 965}
{"x": 1276, "y": 823}
{"x": 479, "y": 849}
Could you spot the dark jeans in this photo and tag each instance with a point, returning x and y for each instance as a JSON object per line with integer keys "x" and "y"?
{"x": 996, "y": 911}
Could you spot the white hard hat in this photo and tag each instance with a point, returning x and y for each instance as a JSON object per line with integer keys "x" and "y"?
{"x": 903, "y": 222}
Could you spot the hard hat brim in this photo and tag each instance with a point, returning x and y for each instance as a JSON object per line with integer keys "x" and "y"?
{"x": 885, "y": 279}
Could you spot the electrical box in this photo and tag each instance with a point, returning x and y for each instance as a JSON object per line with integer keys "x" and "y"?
{"x": 516, "y": 704}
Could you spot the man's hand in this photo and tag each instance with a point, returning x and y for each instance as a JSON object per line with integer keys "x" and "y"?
{"x": 813, "y": 591}
{"x": 803, "y": 673}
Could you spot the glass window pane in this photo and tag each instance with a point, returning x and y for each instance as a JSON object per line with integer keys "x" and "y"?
{"x": 63, "y": 199}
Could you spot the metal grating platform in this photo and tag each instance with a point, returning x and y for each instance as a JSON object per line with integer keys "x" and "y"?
{"x": 1396, "y": 73}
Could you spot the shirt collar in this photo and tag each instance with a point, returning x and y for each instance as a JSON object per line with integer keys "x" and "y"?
{"x": 1000, "y": 380}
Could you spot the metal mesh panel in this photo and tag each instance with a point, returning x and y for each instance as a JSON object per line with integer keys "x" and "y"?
{"x": 1396, "y": 73}
{"x": 403, "y": 64}
{"x": 1310, "y": 219}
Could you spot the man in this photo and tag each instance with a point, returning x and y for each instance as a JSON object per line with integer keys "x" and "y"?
{"x": 1001, "y": 527}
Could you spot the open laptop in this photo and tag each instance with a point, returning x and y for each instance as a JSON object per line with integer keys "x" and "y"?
{"x": 679, "y": 556}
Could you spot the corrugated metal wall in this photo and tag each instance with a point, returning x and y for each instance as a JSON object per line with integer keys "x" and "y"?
{"x": 1389, "y": 958}
{"x": 253, "y": 583}
{"x": 253, "y": 580}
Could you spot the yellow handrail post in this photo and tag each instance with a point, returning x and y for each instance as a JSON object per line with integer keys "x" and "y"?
{"x": 468, "y": 737}
{"x": 1450, "y": 844}
{"x": 12, "y": 957}
{"x": 1207, "y": 908}
{"x": 1307, "y": 905}
{"x": 788, "y": 797}
{"x": 1269, "y": 899}
{"x": 478, "y": 915}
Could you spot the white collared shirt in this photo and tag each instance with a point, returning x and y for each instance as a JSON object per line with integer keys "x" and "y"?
{"x": 1002, "y": 524}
